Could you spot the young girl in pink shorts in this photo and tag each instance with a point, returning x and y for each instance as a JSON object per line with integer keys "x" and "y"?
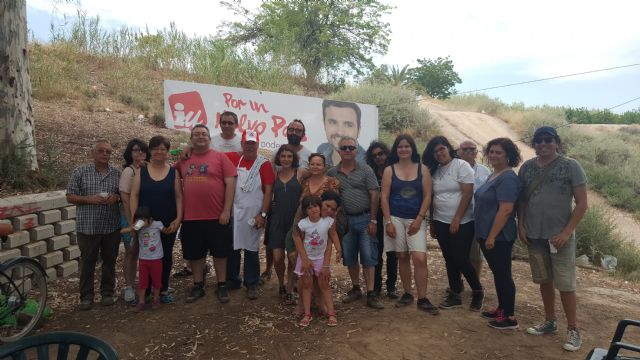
{"x": 313, "y": 236}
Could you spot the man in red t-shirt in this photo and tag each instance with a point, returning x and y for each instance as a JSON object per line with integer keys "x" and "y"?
{"x": 251, "y": 202}
{"x": 209, "y": 181}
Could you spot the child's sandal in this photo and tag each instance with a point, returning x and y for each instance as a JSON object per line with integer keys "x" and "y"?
{"x": 333, "y": 320}
{"x": 306, "y": 320}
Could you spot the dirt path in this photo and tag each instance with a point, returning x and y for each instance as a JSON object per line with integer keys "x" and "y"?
{"x": 458, "y": 126}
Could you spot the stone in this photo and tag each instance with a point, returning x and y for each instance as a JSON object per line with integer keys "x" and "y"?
{"x": 73, "y": 238}
{"x": 8, "y": 254}
{"x": 67, "y": 268}
{"x": 16, "y": 239}
{"x": 58, "y": 242}
{"x": 68, "y": 212}
{"x": 51, "y": 259}
{"x": 64, "y": 226}
{"x": 25, "y": 222}
{"x": 52, "y": 273}
{"x": 72, "y": 252}
{"x": 41, "y": 232}
{"x": 49, "y": 216}
{"x": 34, "y": 249}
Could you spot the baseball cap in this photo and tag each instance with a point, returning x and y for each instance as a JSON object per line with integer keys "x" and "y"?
{"x": 545, "y": 130}
{"x": 250, "y": 135}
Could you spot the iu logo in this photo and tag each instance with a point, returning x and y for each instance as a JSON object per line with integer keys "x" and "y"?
{"x": 187, "y": 110}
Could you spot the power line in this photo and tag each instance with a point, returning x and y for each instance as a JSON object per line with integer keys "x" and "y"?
{"x": 549, "y": 78}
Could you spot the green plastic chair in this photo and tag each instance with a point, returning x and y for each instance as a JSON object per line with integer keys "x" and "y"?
{"x": 67, "y": 343}
{"x": 617, "y": 345}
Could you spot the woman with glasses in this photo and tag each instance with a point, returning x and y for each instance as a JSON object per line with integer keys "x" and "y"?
{"x": 158, "y": 187}
{"x": 134, "y": 156}
{"x": 451, "y": 219}
{"x": 405, "y": 199}
{"x": 376, "y": 157}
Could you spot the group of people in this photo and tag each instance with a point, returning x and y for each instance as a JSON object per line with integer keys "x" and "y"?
{"x": 223, "y": 196}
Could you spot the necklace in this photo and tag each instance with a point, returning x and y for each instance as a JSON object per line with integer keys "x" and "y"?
{"x": 443, "y": 170}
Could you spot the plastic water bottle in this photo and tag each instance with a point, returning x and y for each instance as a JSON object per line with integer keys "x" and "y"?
{"x": 178, "y": 150}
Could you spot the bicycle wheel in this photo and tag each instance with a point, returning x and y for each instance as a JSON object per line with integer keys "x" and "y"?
{"x": 23, "y": 297}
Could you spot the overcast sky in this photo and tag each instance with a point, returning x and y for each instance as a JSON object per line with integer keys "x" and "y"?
{"x": 490, "y": 42}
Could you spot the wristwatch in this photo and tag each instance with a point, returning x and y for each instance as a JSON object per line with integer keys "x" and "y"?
{"x": 387, "y": 222}
{"x": 263, "y": 214}
{"x": 374, "y": 221}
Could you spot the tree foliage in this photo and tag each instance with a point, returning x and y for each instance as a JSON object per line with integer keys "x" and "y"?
{"x": 389, "y": 75}
{"x": 436, "y": 77}
{"x": 323, "y": 37}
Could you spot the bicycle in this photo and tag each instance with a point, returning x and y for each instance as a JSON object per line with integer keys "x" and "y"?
{"x": 23, "y": 294}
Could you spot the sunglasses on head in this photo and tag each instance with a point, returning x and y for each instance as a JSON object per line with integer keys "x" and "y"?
{"x": 546, "y": 140}
{"x": 347, "y": 148}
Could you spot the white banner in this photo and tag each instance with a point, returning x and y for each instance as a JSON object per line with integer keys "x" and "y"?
{"x": 268, "y": 113}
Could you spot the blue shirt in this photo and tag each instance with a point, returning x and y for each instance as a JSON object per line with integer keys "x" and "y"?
{"x": 505, "y": 188}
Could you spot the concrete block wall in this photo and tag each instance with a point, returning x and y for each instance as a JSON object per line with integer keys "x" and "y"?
{"x": 44, "y": 229}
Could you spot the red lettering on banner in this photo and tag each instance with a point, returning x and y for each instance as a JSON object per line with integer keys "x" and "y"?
{"x": 233, "y": 103}
{"x": 187, "y": 110}
{"x": 279, "y": 123}
{"x": 257, "y": 107}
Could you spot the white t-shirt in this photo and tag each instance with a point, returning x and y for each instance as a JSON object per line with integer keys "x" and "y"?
{"x": 221, "y": 144}
{"x": 447, "y": 192}
{"x": 150, "y": 242}
{"x": 304, "y": 157}
{"x": 316, "y": 236}
{"x": 481, "y": 174}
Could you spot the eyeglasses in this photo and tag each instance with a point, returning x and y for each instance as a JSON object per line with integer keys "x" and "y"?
{"x": 227, "y": 123}
{"x": 379, "y": 154}
{"x": 348, "y": 148}
{"x": 469, "y": 149}
{"x": 546, "y": 140}
{"x": 295, "y": 131}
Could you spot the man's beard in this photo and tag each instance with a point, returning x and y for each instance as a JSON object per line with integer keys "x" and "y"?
{"x": 294, "y": 139}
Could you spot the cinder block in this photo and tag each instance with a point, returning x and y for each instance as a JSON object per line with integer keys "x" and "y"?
{"x": 51, "y": 259}
{"x": 67, "y": 268}
{"x": 34, "y": 249}
{"x": 52, "y": 273}
{"x": 8, "y": 254}
{"x": 64, "y": 226}
{"x": 72, "y": 252}
{"x": 68, "y": 212}
{"x": 6, "y": 221}
{"x": 17, "y": 239}
{"x": 49, "y": 216}
{"x": 25, "y": 222}
{"x": 58, "y": 242}
{"x": 41, "y": 232}
{"x": 73, "y": 238}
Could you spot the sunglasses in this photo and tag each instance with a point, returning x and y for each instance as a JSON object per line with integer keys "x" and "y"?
{"x": 229, "y": 123}
{"x": 348, "y": 148}
{"x": 469, "y": 149}
{"x": 380, "y": 154}
{"x": 546, "y": 140}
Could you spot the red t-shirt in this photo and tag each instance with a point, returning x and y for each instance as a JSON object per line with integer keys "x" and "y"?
{"x": 267, "y": 175}
{"x": 203, "y": 183}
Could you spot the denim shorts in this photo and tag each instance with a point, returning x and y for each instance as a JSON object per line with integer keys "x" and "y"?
{"x": 559, "y": 267}
{"x": 357, "y": 241}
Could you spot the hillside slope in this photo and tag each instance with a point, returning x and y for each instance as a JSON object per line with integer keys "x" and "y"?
{"x": 458, "y": 126}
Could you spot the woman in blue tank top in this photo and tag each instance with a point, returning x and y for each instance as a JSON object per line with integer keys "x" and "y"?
{"x": 406, "y": 196}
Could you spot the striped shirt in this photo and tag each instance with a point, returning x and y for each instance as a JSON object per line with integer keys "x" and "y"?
{"x": 355, "y": 187}
{"x": 94, "y": 219}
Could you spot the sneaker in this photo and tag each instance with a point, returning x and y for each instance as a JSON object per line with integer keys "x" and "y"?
{"x": 352, "y": 295}
{"x": 574, "y": 340}
{"x": 392, "y": 294}
{"x": 426, "y": 305}
{"x": 170, "y": 290}
{"x": 167, "y": 299}
{"x": 85, "y": 305}
{"x": 503, "y": 323}
{"x": 548, "y": 327}
{"x": 477, "y": 297}
{"x": 222, "y": 293}
{"x": 492, "y": 314}
{"x": 405, "y": 299}
{"x": 252, "y": 292}
{"x": 373, "y": 301}
{"x": 107, "y": 300}
{"x": 452, "y": 301}
{"x": 282, "y": 291}
{"x": 129, "y": 294}
{"x": 196, "y": 293}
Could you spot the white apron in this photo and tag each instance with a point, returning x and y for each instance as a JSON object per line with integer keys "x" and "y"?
{"x": 246, "y": 205}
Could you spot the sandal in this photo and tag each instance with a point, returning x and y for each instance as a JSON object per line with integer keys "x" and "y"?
{"x": 306, "y": 320}
{"x": 333, "y": 319}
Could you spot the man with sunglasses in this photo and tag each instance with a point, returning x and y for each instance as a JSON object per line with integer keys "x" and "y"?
{"x": 360, "y": 195}
{"x": 546, "y": 223}
{"x": 468, "y": 152}
{"x": 227, "y": 140}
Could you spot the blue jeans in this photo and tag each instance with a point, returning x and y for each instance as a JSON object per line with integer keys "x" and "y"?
{"x": 357, "y": 240}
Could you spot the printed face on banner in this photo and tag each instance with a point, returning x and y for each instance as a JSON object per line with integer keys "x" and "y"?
{"x": 187, "y": 110}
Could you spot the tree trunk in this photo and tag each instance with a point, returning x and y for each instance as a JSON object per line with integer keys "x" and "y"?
{"x": 16, "y": 122}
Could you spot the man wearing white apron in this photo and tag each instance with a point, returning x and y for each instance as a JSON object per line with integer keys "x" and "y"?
{"x": 250, "y": 205}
